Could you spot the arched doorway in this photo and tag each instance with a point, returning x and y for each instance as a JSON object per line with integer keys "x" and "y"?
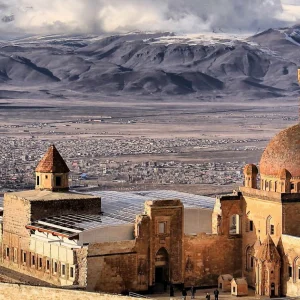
{"x": 272, "y": 289}
{"x": 161, "y": 266}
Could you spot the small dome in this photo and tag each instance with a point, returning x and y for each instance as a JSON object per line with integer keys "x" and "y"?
{"x": 250, "y": 169}
{"x": 283, "y": 152}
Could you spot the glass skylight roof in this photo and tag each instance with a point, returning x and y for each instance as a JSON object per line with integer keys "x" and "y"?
{"x": 118, "y": 208}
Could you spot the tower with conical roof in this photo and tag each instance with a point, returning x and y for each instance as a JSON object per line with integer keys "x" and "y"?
{"x": 52, "y": 173}
{"x": 268, "y": 263}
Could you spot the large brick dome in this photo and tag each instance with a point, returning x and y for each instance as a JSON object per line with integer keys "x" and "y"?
{"x": 283, "y": 152}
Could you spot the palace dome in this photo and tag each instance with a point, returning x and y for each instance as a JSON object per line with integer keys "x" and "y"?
{"x": 282, "y": 154}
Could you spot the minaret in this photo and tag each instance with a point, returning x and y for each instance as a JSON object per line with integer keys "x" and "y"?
{"x": 52, "y": 173}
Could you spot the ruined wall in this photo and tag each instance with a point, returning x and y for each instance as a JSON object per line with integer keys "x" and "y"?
{"x": 16, "y": 291}
{"x": 208, "y": 256}
{"x": 112, "y": 267}
{"x": 80, "y": 260}
{"x": 16, "y": 216}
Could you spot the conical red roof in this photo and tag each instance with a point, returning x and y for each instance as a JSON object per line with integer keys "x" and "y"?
{"x": 268, "y": 251}
{"x": 52, "y": 162}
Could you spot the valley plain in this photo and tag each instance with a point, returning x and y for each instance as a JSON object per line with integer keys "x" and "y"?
{"x": 181, "y": 143}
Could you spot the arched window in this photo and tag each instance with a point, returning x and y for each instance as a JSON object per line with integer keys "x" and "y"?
{"x": 234, "y": 227}
{"x": 296, "y": 269}
{"x": 249, "y": 258}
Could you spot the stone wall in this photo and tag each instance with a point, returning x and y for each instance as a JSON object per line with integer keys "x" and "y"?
{"x": 291, "y": 215}
{"x": 289, "y": 248}
{"x": 80, "y": 260}
{"x": 15, "y": 291}
{"x": 168, "y": 239}
{"x": 17, "y": 214}
{"x": 112, "y": 267}
{"x": 208, "y": 256}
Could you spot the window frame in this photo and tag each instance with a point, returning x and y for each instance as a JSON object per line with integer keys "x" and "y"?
{"x": 24, "y": 257}
{"x": 55, "y": 267}
{"x": 63, "y": 270}
{"x": 7, "y": 252}
{"x": 290, "y": 271}
{"x": 162, "y": 225}
{"x": 272, "y": 229}
{"x": 40, "y": 262}
{"x": 33, "y": 260}
{"x": 48, "y": 265}
{"x": 72, "y": 272}
{"x": 251, "y": 225}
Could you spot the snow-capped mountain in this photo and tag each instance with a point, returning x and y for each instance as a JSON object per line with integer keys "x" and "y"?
{"x": 261, "y": 65}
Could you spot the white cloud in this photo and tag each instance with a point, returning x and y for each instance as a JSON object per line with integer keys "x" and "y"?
{"x": 57, "y": 16}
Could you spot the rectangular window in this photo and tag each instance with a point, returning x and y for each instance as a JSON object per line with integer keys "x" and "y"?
{"x": 23, "y": 257}
{"x": 33, "y": 260}
{"x": 161, "y": 227}
{"x": 233, "y": 288}
{"x": 55, "y": 267}
{"x": 37, "y": 180}
{"x": 48, "y": 265}
{"x": 58, "y": 181}
{"x": 292, "y": 186}
{"x": 7, "y": 252}
{"x": 298, "y": 273}
{"x": 272, "y": 229}
{"x": 251, "y": 225}
{"x": 71, "y": 272}
{"x": 40, "y": 262}
{"x": 252, "y": 262}
{"x": 290, "y": 271}
{"x": 63, "y": 270}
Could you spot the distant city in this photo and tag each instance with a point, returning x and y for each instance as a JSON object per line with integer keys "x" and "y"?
{"x": 95, "y": 161}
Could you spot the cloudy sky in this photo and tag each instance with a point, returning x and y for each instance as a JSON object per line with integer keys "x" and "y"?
{"x": 110, "y": 16}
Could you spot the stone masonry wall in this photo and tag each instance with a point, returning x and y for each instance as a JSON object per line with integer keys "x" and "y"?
{"x": 208, "y": 256}
{"x": 17, "y": 213}
{"x": 291, "y": 214}
{"x": 112, "y": 267}
{"x": 15, "y": 291}
{"x": 80, "y": 260}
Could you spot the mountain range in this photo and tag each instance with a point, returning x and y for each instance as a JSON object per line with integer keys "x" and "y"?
{"x": 140, "y": 63}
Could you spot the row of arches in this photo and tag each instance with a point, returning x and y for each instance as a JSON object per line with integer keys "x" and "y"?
{"x": 279, "y": 186}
